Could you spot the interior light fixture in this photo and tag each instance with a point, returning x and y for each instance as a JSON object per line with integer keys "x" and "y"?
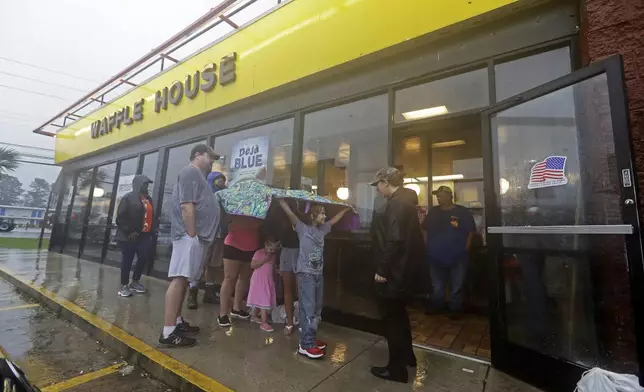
{"x": 451, "y": 143}
{"x": 450, "y": 177}
{"x": 343, "y": 193}
{"x": 505, "y": 186}
{"x": 424, "y": 113}
{"x": 98, "y": 192}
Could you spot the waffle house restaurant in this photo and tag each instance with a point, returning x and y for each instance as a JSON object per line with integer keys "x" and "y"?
{"x": 484, "y": 96}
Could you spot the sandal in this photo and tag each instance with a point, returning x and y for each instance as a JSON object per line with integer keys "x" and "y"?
{"x": 266, "y": 327}
{"x": 288, "y": 330}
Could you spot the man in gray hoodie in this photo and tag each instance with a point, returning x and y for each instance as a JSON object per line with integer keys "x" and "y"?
{"x": 135, "y": 221}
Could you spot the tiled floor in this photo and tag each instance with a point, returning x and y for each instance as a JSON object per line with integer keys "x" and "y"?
{"x": 468, "y": 336}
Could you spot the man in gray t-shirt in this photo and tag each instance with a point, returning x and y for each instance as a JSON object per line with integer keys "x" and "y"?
{"x": 192, "y": 187}
{"x": 195, "y": 221}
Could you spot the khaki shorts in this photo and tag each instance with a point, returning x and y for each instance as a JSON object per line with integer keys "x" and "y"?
{"x": 213, "y": 256}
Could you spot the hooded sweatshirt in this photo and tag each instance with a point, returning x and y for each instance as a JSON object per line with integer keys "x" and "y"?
{"x": 131, "y": 211}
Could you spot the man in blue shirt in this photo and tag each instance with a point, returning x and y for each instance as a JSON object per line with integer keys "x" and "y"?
{"x": 450, "y": 229}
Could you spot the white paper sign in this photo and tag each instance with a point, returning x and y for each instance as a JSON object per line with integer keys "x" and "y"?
{"x": 248, "y": 157}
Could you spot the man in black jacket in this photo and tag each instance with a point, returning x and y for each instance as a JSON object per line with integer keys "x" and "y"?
{"x": 398, "y": 248}
{"x": 135, "y": 220}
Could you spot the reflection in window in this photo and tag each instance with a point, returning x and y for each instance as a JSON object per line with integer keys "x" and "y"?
{"x": 79, "y": 211}
{"x": 178, "y": 158}
{"x": 150, "y": 167}
{"x": 249, "y": 152}
{"x": 97, "y": 222}
{"x": 517, "y": 76}
{"x": 102, "y": 194}
{"x": 445, "y": 96}
{"x": 343, "y": 148}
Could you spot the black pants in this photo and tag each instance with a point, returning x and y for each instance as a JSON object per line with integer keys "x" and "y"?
{"x": 397, "y": 331}
{"x": 140, "y": 248}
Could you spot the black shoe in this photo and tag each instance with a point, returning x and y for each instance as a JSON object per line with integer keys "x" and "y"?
{"x": 224, "y": 321}
{"x": 385, "y": 374}
{"x": 175, "y": 340}
{"x": 192, "y": 298}
{"x": 242, "y": 314}
{"x": 185, "y": 328}
{"x": 412, "y": 362}
{"x": 209, "y": 296}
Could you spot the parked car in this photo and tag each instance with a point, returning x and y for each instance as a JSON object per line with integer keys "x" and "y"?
{"x": 6, "y": 225}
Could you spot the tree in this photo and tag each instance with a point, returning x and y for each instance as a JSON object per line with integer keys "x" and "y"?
{"x": 10, "y": 190}
{"x": 8, "y": 160}
{"x": 38, "y": 193}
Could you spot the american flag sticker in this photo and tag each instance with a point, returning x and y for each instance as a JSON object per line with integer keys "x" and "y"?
{"x": 549, "y": 172}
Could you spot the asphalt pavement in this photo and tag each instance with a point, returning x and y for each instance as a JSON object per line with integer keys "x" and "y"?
{"x": 57, "y": 356}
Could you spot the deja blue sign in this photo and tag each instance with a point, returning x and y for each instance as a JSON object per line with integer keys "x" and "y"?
{"x": 249, "y": 157}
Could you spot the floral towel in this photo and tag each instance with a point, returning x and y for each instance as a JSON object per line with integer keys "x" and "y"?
{"x": 253, "y": 198}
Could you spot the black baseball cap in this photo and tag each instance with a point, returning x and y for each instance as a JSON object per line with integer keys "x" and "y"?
{"x": 442, "y": 189}
{"x": 203, "y": 149}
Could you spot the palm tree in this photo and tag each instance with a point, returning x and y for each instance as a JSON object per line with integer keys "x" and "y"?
{"x": 8, "y": 160}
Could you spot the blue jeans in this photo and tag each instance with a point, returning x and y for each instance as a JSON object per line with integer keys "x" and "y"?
{"x": 311, "y": 294}
{"x": 455, "y": 277}
{"x": 141, "y": 248}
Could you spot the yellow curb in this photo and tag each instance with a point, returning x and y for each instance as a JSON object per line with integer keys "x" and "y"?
{"x": 182, "y": 370}
{"x": 19, "y": 307}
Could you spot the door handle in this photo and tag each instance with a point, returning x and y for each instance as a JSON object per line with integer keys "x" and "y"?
{"x": 629, "y": 202}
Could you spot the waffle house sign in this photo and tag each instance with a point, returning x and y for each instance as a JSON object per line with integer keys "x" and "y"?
{"x": 202, "y": 81}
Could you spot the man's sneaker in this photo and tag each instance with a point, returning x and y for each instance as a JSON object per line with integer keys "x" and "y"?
{"x": 209, "y": 296}
{"x": 175, "y": 340}
{"x": 125, "y": 291}
{"x": 192, "y": 298}
{"x": 242, "y": 314}
{"x": 137, "y": 287}
{"x": 224, "y": 321}
{"x": 321, "y": 345}
{"x": 185, "y": 328}
{"x": 313, "y": 352}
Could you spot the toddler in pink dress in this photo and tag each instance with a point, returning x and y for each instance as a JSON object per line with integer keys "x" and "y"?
{"x": 261, "y": 296}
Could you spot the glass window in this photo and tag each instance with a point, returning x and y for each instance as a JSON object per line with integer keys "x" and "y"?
{"x": 79, "y": 211}
{"x": 557, "y": 156}
{"x": 150, "y": 167}
{"x": 97, "y": 223}
{"x": 126, "y": 175}
{"x": 178, "y": 157}
{"x": 67, "y": 191}
{"x": 343, "y": 148}
{"x": 515, "y": 77}
{"x": 450, "y": 95}
{"x": 249, "y": 152}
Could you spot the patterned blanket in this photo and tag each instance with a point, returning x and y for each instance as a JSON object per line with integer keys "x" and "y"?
{"x": 253, "y": 198}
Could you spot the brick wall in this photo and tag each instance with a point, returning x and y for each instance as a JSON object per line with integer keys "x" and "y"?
{"x": 617, "y": 27}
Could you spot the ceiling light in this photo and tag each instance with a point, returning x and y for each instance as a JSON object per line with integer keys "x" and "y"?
{"x": 451, "y": 143}
{"x": 343, "y": 193}
{"x": 424, "y": 113}
{"x": 448, "y": 177}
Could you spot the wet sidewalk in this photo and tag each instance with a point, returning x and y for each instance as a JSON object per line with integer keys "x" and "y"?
{"x": 241, "y": 358}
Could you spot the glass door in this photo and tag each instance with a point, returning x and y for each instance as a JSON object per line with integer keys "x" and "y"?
{"x": 563, "y": 229}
